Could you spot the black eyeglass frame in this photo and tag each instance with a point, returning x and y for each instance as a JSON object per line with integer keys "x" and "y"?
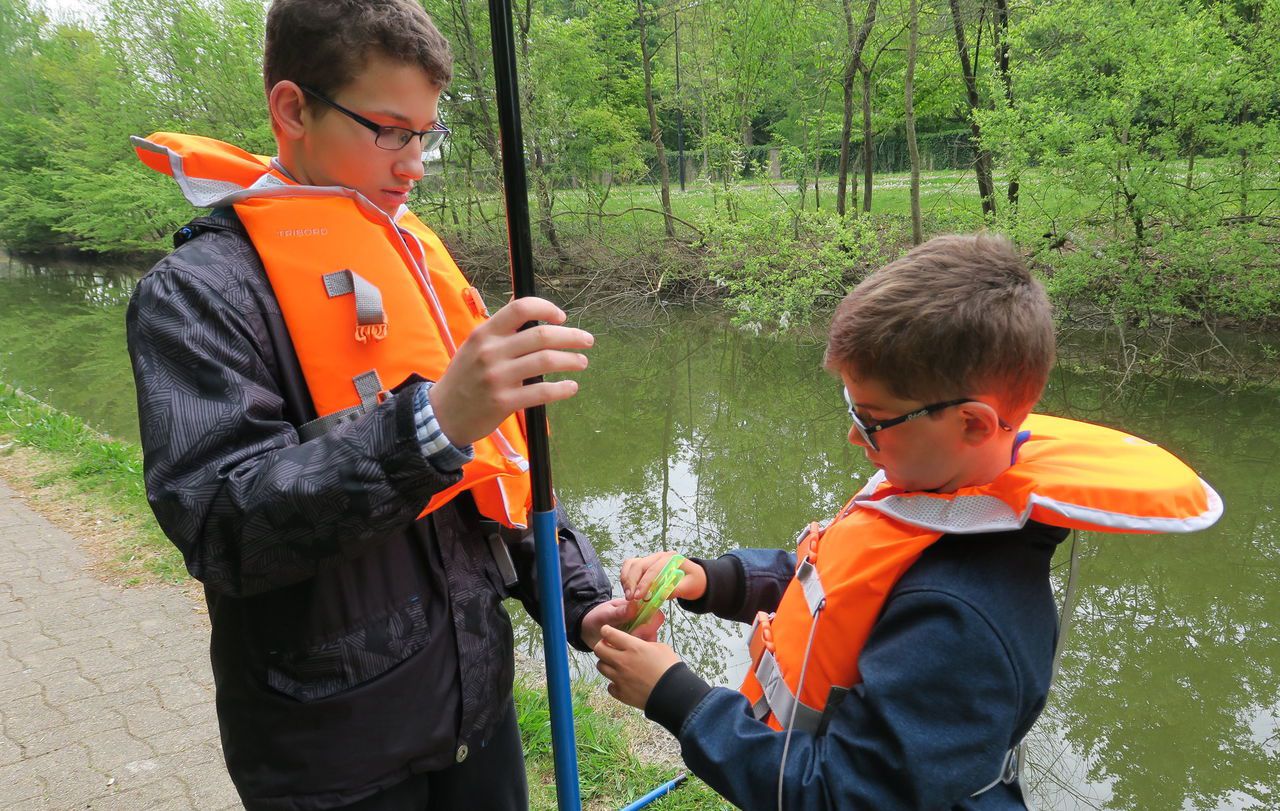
{"x": 866, "y": 431}
{"x": 438, "y": 130}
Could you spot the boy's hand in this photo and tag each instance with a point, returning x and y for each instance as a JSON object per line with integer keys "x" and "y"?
{"x": 632, "y": 666}
{"x": 638, "y": 575}
{"x": 484, "y": 383}
{"x": 614, "y": 613}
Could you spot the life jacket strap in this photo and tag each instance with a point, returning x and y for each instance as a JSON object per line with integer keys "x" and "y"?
{"x": 814, "y": 594}
{"x": 776, "y": 693}
{"x": 368, "y": 386}
{"x": 371, "y": 319}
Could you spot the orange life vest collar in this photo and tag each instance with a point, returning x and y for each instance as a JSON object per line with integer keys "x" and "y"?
{"x": 368, "y": 299}
{"x": 1067, "y": 474}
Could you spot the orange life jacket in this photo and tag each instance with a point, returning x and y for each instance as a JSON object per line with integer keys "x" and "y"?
{"x": 1067, "y": 474}
{"x": 368, "y": 299}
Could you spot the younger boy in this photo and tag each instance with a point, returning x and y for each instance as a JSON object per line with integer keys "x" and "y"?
{"x": 912, "y": 646}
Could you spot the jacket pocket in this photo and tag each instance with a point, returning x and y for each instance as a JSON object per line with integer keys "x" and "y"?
{"x": 353, "y": 658}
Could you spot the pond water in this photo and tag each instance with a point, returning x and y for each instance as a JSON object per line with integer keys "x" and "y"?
{"x": 689, "y": 434}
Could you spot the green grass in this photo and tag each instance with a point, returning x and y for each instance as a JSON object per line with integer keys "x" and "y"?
{"x": 104, "y": 477}
{"x": 948, "y": 197}
{"x": 611, "y": 775}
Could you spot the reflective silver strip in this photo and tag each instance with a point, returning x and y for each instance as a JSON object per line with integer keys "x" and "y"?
{"x": 811, "y": 585}
{"x": 777, "y": 693}
{"x": 960, "y": 515}
{"x": 508, "y": 451}
{"x": 368, "y": 297}
{"x": 1123, "y": 521}
{"x": 433, "y": 300}
{"x": 201, "y": 192}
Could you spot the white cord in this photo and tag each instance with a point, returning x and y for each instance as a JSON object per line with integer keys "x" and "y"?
{"x": 795, "y": 705}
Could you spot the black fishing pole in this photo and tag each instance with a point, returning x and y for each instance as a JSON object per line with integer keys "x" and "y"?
{"x": 545, "y": 532}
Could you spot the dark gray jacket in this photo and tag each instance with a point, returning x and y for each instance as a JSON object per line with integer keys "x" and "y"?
{"x": 352, "y": 645}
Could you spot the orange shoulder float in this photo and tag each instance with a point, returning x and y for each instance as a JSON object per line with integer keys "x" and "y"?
{"x": 368, "y": 300}
{"x": 1068, "y": 474}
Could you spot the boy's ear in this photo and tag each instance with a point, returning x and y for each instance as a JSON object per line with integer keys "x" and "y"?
{"x": 288, "y": 105}
{"x": 981, "y": 422}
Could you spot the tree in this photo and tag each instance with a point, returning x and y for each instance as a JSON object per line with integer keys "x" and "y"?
{"x": 857, "y": 41}
{"x": 908, "y": 90}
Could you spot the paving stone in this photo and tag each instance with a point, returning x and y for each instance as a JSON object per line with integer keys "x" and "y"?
{"x": 49, "y": 663}
{"x": 43, "y": 741}
{"x": 16, "y": 688}
{"x": 35, "y": 777}
{"x": 146, "y": 720}
{"x": 109, "y": 751}
{"x": 76, "y": 787}
{"x": 168, "y": 794}
{"x": 180, "y": 691}
{"x": 104, "y": 704}
{"x": 65, "y": 687}
{"x": 20, "y": 784}
{"x": 95, "y": 663}
{"x": 29, "y": 713}
{"x": 181, "y": 739}
{"x": 10, "y": 752}
{"x": 24, "y": 644}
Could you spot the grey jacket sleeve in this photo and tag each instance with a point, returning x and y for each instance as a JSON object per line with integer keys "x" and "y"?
{"x": 249, "y": 507}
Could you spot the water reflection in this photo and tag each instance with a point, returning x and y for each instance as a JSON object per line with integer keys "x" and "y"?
{"x": 62, "y": 339}
{"x": 693, "y": 436}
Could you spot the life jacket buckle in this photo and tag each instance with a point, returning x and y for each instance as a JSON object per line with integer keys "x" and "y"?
{"x": 475, "y": 303}
{"x": 1012, "y": 765}
{"x": 761, "y": 638}
{"x": 813, "y": 534}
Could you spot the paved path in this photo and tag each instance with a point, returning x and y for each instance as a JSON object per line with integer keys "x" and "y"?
{"x": 106, "y": 697}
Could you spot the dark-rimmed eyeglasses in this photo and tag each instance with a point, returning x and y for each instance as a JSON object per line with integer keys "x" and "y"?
{"x": 866, "y": 429}
{"x": 392, "y": 139}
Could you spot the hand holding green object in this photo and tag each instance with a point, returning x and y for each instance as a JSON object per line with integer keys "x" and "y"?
{"x": 659, "y": 591}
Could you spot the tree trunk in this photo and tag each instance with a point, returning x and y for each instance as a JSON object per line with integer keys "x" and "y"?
{"x": 846, "y": 134}
{"x": 542, "y": 190}
{"x": 913, "y": 19}
{"x": 982, "y": 165}
{"x": 868, "y": 146}
{"x": 857, "y": 41}
{"x": 655, "y": 132}
{"x": 1006, "y": 79}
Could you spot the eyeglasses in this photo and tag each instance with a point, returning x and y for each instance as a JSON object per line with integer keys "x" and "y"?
{"x": 865, "y": 430}
{"x": 390, "y": 138}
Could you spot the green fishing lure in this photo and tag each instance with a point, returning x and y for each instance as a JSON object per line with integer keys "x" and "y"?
{"x": 659, "y": 591}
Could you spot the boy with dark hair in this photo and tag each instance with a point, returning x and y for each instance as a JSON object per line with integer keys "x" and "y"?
{"x": 327, "y": 419}
{"x": 911, "y": 639}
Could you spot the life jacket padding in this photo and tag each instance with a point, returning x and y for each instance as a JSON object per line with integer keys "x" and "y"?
{"x": 1067, "y": 474}
{"x": 425, "y": 306}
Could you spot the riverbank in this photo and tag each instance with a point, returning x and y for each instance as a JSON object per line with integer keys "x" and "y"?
{"x": 90, "y": 486}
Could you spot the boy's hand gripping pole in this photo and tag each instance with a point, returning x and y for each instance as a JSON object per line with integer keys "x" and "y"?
{"x": 550, "y": 596}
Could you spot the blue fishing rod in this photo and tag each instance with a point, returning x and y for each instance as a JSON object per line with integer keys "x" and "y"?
{"x": 545, "y": 531}
{"x": 564, "y": 747}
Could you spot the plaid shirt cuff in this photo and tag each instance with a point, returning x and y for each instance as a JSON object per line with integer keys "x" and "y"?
{"x": 440, "y": 452}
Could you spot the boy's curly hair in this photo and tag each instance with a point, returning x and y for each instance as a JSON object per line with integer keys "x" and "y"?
{"x": 326, "y": 43}
{"x": 956, "y": 317}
